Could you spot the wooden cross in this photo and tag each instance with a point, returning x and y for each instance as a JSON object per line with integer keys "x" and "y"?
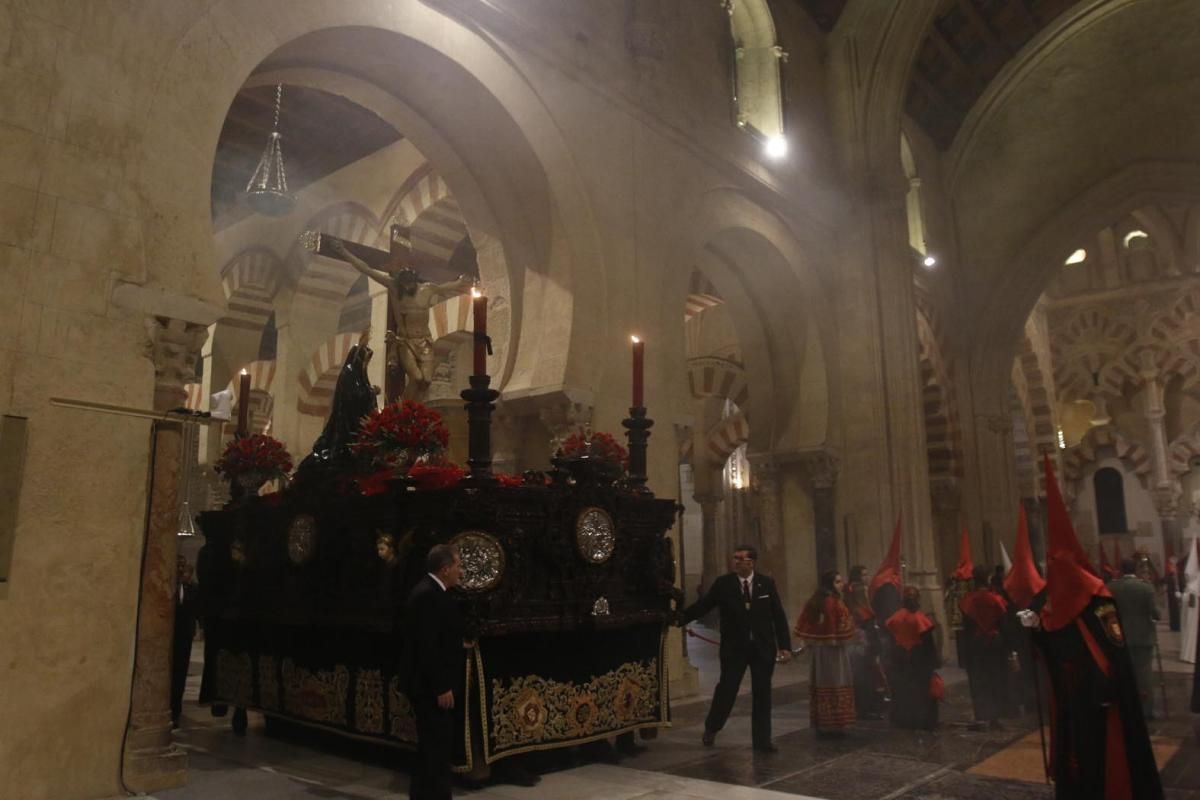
{"x": 399, "y": 255}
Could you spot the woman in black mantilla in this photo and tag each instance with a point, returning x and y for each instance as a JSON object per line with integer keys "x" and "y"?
{"x": 353, "y": 398}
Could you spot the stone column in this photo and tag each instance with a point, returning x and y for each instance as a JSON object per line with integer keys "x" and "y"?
{"x": 152, "y": 761}
{"x": 821, "y": 467}
{"x": 1165, "y": 490}
{"x": 764, "y": 475}
{"x": 946, "y": 498}
{"x": 715, "y": 558}
{"x": 901, "y": 451}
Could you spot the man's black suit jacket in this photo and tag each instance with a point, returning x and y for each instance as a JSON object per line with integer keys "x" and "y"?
{"x": 433, "y": 641}
{"x": 765, "y": 624}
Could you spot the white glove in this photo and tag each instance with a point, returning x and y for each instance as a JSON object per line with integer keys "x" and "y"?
{"x": 1029, "y": 619}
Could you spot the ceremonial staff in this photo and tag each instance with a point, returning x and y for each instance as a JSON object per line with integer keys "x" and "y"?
{"x": 1037, "y": 698}
{"x": 1162, "y": 682}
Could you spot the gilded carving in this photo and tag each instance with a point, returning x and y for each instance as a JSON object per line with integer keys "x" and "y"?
{"x": 532, "y": 709}
{"x": 268, "y": 683}
{"x": 402, "y": 722}
{"x": 318, "y": 696}
{"x": 368, "y": 701}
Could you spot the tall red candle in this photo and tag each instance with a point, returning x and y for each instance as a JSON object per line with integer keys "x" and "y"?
{"x": 243, "y": 400}
{"x": 479, "y": 306}
{"x": 639, "y": 361}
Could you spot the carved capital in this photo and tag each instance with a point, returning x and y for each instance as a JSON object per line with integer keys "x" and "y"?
{"x": 173, "y": 345}
{"x": 821, "y": 467}
{"x": 1166, "y": 499}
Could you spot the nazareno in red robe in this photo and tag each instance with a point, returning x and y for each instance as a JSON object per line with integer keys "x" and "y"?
{"x": 1100, "y": 748}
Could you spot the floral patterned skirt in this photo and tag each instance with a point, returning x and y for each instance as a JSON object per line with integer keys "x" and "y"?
{"x": 831, "y": 688}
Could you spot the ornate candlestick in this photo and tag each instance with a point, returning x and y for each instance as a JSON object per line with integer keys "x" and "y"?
{"x": 480, "y": 405}
{"x": 637, "y": 430}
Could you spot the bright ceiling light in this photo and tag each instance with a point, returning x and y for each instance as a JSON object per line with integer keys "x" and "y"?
{"x": 776, "y": 147}
{"x": 1078, "y": 257}
{"x": 1129, "y": 237}
{"x": 930, "y": 261}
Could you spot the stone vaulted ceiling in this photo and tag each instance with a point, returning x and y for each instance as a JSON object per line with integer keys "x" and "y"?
{"x": 322, "y": 133}
{"x": 968, "y": 44}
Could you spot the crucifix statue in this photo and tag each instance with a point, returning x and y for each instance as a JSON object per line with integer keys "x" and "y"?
{"x": 409, "y": 340}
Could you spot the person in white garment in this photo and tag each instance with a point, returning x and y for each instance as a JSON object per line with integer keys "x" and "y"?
{"x": 1189, "y": 602}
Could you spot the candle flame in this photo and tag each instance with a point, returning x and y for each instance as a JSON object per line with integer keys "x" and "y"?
{"x": 475, "y": 292}
{"x": 634, "y": 339}
{"x": 243, "y": 372}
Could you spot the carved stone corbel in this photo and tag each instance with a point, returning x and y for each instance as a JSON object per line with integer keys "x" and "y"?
{"x": 173, "y": 345}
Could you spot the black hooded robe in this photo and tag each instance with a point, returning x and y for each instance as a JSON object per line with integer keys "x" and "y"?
{"x": 1099, "y": 744}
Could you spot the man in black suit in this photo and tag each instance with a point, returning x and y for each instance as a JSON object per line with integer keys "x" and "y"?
{"x": 754, "y": 632}
{"x": 433, "y": 669}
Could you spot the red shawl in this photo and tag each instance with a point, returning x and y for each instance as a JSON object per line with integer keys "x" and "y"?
{"x": 857, "y": 602}
{"x": 985, "y": 608}
{"x": 825, "y": 618}
{"x": 907, "y": 627}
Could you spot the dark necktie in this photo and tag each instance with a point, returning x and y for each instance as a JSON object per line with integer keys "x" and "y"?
{"x": 746, "y": 592}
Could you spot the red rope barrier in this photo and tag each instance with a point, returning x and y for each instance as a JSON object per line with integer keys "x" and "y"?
{"x": 695, "y": 635}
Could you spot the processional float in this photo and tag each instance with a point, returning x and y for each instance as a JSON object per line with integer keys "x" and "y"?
{"x": 568, "y": 577}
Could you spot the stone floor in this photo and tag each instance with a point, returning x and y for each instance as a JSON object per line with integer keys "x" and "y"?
{"x": 873, "y": 762}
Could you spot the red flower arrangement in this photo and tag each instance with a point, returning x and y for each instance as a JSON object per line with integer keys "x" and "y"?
{"x": 254, "y": 454}
{"x": 600, "y": 446}
{"x": 436, "y": 476}
{"x": 401, "y": 433}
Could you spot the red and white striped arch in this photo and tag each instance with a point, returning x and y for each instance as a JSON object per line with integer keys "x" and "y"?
{"x": 326, "y": 278}
{"x": 452, "y": 316}
{"x": 726, "y": 436}
{"x": 718, "y": 377}
{"x": 702, "y": 295}
{"x": 1181, "y": 453}
{"x": 432, "y": 215}
{"x": 1133, "y": 456}
{"x": 251, "y": 279}
{"x": 319, "y": 378}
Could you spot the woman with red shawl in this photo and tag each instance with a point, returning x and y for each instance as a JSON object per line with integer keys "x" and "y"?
{"x": 827, "y": 625}
{"x": 914, "y": 657}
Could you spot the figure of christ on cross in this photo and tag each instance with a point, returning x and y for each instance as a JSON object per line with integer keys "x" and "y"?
{"x": 410, "y": 343}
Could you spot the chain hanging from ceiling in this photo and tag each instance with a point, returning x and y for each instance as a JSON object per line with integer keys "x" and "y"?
{"x": 267, "y": 192}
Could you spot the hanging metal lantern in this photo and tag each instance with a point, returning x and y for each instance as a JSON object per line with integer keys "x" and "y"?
{"x": 267, "y": 192}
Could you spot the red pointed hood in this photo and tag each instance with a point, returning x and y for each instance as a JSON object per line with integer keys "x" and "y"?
{"x": 889, "y": 570}
{"x": 1023, "y": 580}
{"x": 965, "y": 566}
{"x": 1071, "y": 582}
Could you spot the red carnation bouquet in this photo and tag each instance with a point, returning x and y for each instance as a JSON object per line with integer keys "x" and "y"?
{"x": 600, "y": 446}
{"x": 258, "y": 454}
{"x": 399, "y": 434}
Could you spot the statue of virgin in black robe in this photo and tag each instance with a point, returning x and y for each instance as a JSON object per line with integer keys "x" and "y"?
{"x": 353, "y": 398}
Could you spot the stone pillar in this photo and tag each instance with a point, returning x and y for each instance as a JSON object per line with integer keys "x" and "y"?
{"x": 1165, "y": 490}
{"x": 715, "y": 558}
{"x": 946, "y": 499}
{"x": 764, "y": 474}
{"x": 821, "y": 468}
{"x": 902, "y": 450}
{"x": 152, "y": 761}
